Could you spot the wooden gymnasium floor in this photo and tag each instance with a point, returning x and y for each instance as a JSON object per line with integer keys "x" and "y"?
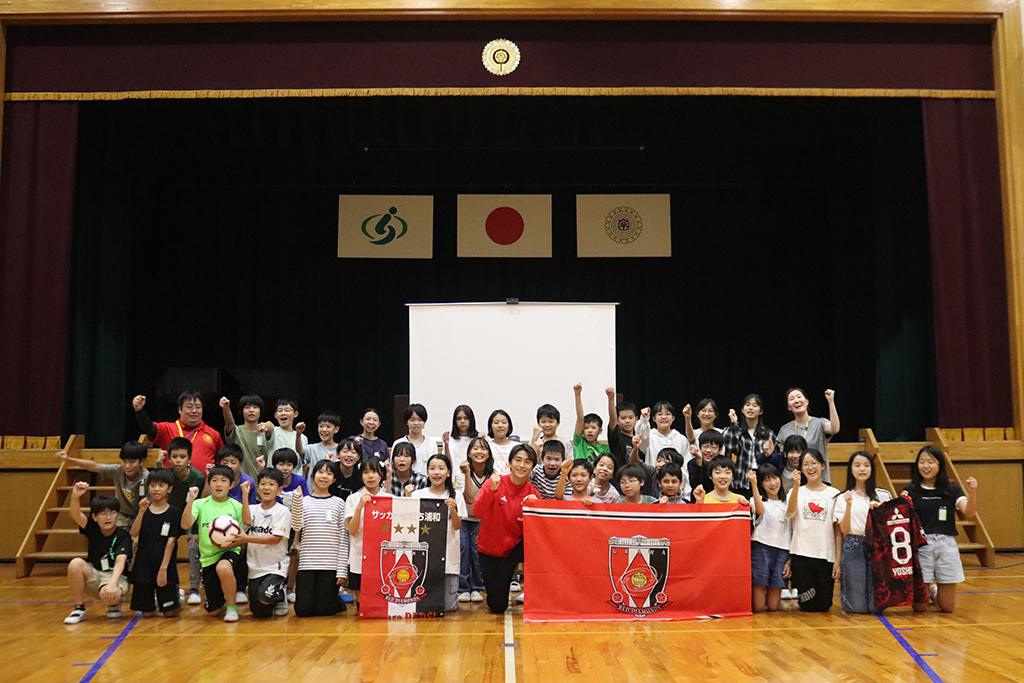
{"x": 980, "y": 642}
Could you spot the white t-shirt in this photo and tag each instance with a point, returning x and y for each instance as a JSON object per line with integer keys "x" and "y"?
{"x": 859, "y": 510}
{"x": 355, "y": 541}
{"x": 610, "y": 496}
{"x": 269, "y": 559}
{"x": 772, "y": 528}
{"x": 653, "y": 442}
{"x": 500, "y": 455}
{"x": 813, "y": 534}
{"x": 453, "y": 549}
{"x": 423, "y": 453}
{"x": 279, "y": 438}
{"x": 458, "y": 447}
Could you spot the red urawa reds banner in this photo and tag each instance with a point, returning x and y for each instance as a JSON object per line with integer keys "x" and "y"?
{"x": 404, "y": 542}
{"x": 628, "y": 562}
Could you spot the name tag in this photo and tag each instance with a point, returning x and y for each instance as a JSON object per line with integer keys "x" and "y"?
{"x": 330, "y": 516}
{"x": 259, "y": 440}
{"x": 942, "y": 514}
{"x": 105, "y": 564}
{"x": 142, "y": 488}
{"x": 165, "y": 529}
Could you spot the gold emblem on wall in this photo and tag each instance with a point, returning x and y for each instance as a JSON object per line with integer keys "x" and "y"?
{"x": 501, "y": 57}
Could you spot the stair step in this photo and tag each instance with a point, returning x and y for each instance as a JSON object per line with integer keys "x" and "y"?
{"x": 901, "y": 452}
{"x": 963, "y": 523}
{"x": 899, "y": 484}
{"x": 972, "y": 546}
{"x": 59, "y": 510}
{"x": 55, "y": 555}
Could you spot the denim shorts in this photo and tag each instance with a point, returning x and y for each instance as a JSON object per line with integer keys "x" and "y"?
{"x": 940, "y": 560}
{"x": 766, "y": 564}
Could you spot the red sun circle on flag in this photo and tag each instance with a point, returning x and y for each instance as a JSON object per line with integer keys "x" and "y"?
{"x": 504, "y": 225}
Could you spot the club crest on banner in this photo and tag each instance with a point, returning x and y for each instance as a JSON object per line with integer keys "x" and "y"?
{"x": 638, "y": 569}
{"x": 403, "y": 566}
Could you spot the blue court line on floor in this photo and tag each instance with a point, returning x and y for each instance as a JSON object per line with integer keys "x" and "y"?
{"x": 905, "y": 628}
{"x": 929, "y": 655}
{"x": 84, "y": 664}
{"x": 910, "y": 650}
{"x": 87, "y": 678}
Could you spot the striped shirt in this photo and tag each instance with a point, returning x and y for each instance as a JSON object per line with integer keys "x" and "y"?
{"x": 324, "y": 536}
{"x": 545, "y": 485}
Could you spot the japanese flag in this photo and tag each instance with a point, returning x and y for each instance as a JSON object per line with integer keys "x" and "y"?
{"x": 510, "y": 225}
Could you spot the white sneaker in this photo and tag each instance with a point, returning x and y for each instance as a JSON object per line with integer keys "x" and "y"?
{"x": 514, "y": 587}
{"x": 194, "y": 599}
{"x": 281, "y": 609}
{"x": 114, "y": 612}
{"x": 465, "y": 597}
{"x": 520, "y": 599}
{"x": 181, "y": 595}
{"x": 231, "y": 615}
{"x": 788, "y": 594}
{"x": 933, "y": 591}
{"x": 77, "y": 615}
{"x": 241, "y": 598}
{"x": 291, "y": 596}
{"x": 476, "y": 596}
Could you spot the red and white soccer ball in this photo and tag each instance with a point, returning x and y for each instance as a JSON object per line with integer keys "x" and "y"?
{"x": 223, "y": 529}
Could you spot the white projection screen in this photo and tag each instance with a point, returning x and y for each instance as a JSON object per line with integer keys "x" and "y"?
{"x": 511, "y": 356}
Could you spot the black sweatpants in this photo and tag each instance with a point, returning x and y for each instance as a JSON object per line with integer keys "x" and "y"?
{"x": 812, "y": 579}
{"x": 316, "y": 593}
{"x": 498, "y": 572}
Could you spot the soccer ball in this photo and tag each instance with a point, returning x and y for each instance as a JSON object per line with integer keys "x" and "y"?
{"x": 222, "y": 529}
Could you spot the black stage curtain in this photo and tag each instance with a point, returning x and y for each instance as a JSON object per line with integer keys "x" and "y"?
{"x": 800, "y": 248}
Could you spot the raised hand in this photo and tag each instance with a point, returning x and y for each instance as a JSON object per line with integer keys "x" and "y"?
{"x": 609, "y": 392}
{"x": 698, "y": 493}
{"x": 245, "y": 489}
{"x": 695, "y": 452}
{"x": 139, "y": 402}
{"x": 769, "y": 447}
{"x": 301, "y": 427}
{"x": 566, "y": 467}
{"x": 80, "y": 488}
{"x": 577, "y": 388}
{"x": 687, "y": 411}
{"x": 830, "y": 395}
{"x": 636, "y": 440}
{"x": 752, "y": 476}
{"x": 409, "y": 488}
{"x": 143, "y": 505}
{"x": 495, "y": 480}
{"x": 452, "y": 505}
{"x": 261, "y": 461}
{"x": 972, "y": 484}
{"x": 193, "y": 493}
{"x": 224, "y": 402}
{"x": 796, "y": 478}
{"x": 645, "y": 412}
{"x": 464, "y": 467}
{"x": 732, "y": 416}
{"x": 209, "y": 466}
{"x": 359, "y": 439}
{"x": 663, "y": 500}
{"x": 62, "y": 456}
{"x": 848, "y": 497}
{"x": 446, "y": 437}
{"x": 265, "y": 427}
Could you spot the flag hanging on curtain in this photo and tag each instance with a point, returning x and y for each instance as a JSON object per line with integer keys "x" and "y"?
{"x": 612, "y": 225}
{"x": 404, "y": 544}
{"x": 509, "y": 225}
{"x": 628, "y": 562}
{"x": 385, "y": 226}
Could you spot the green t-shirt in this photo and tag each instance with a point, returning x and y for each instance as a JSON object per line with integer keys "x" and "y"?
{"x": 581, "y": 448}
{"x": 254, "y": 444}
{"x": 179, "y": 492}
{"x": 206, "y": 510}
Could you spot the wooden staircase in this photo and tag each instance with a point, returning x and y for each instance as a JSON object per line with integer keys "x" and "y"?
{"x": 893, "y": 463}
{"x": 55, "y": 506}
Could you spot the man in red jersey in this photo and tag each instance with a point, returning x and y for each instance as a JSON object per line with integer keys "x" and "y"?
{"x": 205, "y": 440}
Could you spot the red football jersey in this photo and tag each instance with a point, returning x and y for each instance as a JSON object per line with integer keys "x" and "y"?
{"x": 894, "y": 534}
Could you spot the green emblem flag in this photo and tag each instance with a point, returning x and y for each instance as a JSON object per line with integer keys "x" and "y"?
{"x": 610, "y": 225}
{"x": 385, "y": 226}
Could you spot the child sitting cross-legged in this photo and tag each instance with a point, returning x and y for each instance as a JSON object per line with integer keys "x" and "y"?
{"x": 720, "y": 469}
{"x": 157, "y": 528}
{"x": 102, "y": 572}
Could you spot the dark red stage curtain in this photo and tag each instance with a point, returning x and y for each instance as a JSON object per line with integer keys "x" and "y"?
{"x": 972, "y": 346}
{"x": 36, "y": 206}
{"x": 565, "y": 54}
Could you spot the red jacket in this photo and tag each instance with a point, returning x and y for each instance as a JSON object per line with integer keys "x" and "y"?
{"x": 501, "y": 516}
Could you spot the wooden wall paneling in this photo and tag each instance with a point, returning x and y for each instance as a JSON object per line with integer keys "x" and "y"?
{"x": 1000, "y": 499}
{"x": 23, "y": 492}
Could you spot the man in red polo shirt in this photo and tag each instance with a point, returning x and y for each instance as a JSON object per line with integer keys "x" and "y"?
{"x": 205, "y": 440}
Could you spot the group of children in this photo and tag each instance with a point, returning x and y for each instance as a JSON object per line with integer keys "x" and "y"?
{"x": 299, "y": 536}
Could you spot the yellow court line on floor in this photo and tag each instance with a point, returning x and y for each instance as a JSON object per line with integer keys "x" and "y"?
{"x": 843, "y": 627}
